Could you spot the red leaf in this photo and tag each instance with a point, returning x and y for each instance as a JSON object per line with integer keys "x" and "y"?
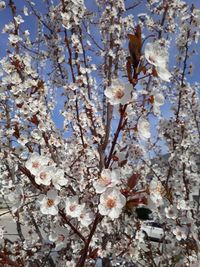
{"x": 154, "y": 72}
{"x": 34, "y": 119}
{"x": 132, "y": 180}
{"x": 93, "y": 253}
{"x": 136, "y": 201}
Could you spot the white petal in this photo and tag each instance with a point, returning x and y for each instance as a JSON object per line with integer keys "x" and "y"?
{"x": 164, "y": 74}
{"x": 114, "y": 213}
{"x": 103, "y": 210}
{"x": 143, "y": 128}
{"x": 159, "y": 99}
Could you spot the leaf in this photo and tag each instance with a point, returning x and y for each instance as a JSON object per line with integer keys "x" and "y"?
{"x": 93, "y": 253}
{"x": 122, "y": 163}
{"x": 132, "y": 203}
{"x": 129, "y": 69}
{"x": 135, "y": 46}
{"x": 132, "y": 180}
{"x": 16, "y": 131}
{"x": 151, "y": 99}
{"x": 143, "y": 69}
{"x": 154, "y": 72}
{"x": 34, "y": 119}
{"x": 138, "y": 33}
{"x": 39, "y": 88}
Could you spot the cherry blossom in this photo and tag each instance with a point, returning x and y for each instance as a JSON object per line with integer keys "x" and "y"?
{"x": 59, "y": 237}
{"x": 84, "y": 146}
{"x": 44, "y": 175}
{"x": 107, "y": 179}
{"x": 111, "y": 203}
{"x": 49, "y": 202}
{"x": 171, "y": 212}
{"x": 180, "y": 233}
{"x": 86, "y": 218}
{"x": 16, "y": 198}
{"x": 158, "y": 101}
{"x": 118, "y": 92}
{"x": 35, "y": 162}
{"x": 156, "y": 191}
{"x": 58, "y": 178}
{"x": 143, "y": 128}
{"x": 72, "y": 207}
{"x": 2, "y": 5}
{"x": 157, "y": 55}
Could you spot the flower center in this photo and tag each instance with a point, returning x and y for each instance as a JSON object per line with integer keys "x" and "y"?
{"x": 43, "y": 175}
{"x": 119, "y": 93}
{"x": 50, "y": 202}
{"x": 61, "y": 238}
{"x": 72, "y": 207}
{"x": 111, "y": 203}
{"x": 35, "y": 164}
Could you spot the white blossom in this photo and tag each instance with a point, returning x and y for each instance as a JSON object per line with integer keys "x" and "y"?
{"x": 118, "y": 92}
{"x": 16, "y": 198}
{"x": 180, "y": 233}
{"x": 157, "y": 55}
{"x": 14, "y": 39}
{"x": 156, "y": 190}
{"x": 86, "y": 218}
{"x": 44, "y": 175}
{"x": 159, "y": 100}
{"x": 49, "y": 203}
{"x": 107, "y": 179}
{"x": 72, "y": 207}
{"x": 2, "y": 5}
{"x": 143, "y": 128}
{"x": 59, "y": 236}
{"x": 111, "y": 203}
{"x": 58, "y": 178}
{"x": 35, "y": 162}
{"x": 171, "y": 212}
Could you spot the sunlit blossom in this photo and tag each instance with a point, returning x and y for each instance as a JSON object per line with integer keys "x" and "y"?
{"x": 59, "y": 178}
{"x": 158, "y": 101}
{"x": 16, "y": 198}
{"x": 111, "y": 203}
{"x": 143, "y": 127}
{"x": 107, "y": 179}
{"x": 44, "y": 175}
{"x": 72, "y": 207}
{"x": 180, "y": 233}
{"x": 49, "y": 203}
{"x": 157, "y": 55}
{"x": 2, "y": 5}
{"x": 118, "y": 92}
{"x": 35, "y": 162}
{"x": 59, "y": 236}
{"x": 86, "y": 218}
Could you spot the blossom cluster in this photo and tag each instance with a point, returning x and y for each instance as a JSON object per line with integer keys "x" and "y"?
{"x": 99, "y": 115}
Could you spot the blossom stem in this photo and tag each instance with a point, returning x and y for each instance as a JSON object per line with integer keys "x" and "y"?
{"x": 76, "y": 231}
{"x": 116, "y": 135}
{"x": 83, "y": 257}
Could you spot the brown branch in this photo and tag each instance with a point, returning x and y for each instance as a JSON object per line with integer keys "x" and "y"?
{"x": 83, "y": 257}
{"x": 28, "y": 174}
{"x": 76, "y": 231}
{"x": 74, "y": 80}
{"x": 116, "y": 135}
{"x": 134, "y": 5}
{"x": 7, "y": 261}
